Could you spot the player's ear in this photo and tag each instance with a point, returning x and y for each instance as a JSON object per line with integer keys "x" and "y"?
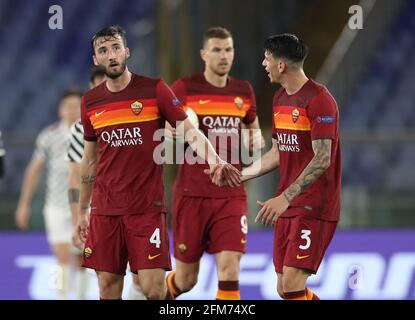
{"x": 95, "y": 60}
{"x": 203, "y": 54}
{"x": 282, "y": 66}
{"x": 127, "y": 52}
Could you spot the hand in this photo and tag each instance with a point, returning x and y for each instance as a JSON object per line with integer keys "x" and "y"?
{"x": 22, "y": 217}
{"x": 272, "y": 209}
{"x": 76, "y": 239}
{"x": 81, "y": 229}
{"x": 224, "y": 174}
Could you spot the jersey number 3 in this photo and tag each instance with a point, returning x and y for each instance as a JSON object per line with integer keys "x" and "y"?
{"x": 305, "y": 234}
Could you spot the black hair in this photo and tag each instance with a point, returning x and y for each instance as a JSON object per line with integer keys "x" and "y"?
{"x": 287, "y": 46}
{"x": 108, "y": 33}
{"x": 97, "y": 71}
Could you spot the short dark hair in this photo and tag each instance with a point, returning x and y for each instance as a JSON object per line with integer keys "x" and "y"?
{"x": 70, "y": 93}
{"x": 287, "y": 46}
{"x": 97, "y": 71}
{"x": 109, "y": 32}
{"x": 216, "y": 32}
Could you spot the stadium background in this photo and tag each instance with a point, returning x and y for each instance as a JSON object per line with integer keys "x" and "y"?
{"x": 369, "y": 71}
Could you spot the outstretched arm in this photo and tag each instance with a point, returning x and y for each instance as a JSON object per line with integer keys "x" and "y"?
{"x": 268, "y": 162}
{"x": 219, "y": 170}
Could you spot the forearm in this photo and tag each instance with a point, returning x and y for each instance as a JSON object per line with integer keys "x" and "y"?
{"x": 310, "y": 174}
{"x": 200, "y": 144}
{"x": 29, "y": 186}
{"x": 88, "y": 174}
{"x": 268, "y": 162}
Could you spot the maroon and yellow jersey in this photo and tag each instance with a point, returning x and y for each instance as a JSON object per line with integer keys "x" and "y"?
{"x": 128, "y": 180}
{"x": 298, "y": 119}
{"x": 221, "y": 112}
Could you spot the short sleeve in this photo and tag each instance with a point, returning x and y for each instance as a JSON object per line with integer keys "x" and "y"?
{"x": 41, "y": 146}
{"x": 169, "y": 105}
{"x": 323, "y": 114}
{"x": 89, "y": 132}
{"x": 251, "y": 113}
{"x": 179, "y": 89}
{"x": 76, "y": 143}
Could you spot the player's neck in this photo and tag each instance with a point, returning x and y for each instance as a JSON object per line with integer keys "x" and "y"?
{"x": 120, "y": 83}
{"x": 216, "y": 80}
{"x": 294, "y": 82}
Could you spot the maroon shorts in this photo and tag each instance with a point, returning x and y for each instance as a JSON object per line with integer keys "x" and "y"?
{"x": 142, "y": 240}
{"x": 208, "y": 224}
{"x": 301, "y": 242}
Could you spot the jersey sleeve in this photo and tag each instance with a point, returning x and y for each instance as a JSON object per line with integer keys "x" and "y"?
{"x": 41, "y": 146}
{"x": 89, "y": 132}
{"x": 76, "y": 143}
{"x": 251, "y": 113}
{"x": 179, "y": 89}
{"x": 169, "y": 105}
{"x": 323, "y": 115}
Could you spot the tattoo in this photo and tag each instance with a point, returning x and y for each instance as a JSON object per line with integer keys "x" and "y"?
{"x": 88, "y": 179}
{"x": 316, "y": 167}
{"x": 73, "y": 195}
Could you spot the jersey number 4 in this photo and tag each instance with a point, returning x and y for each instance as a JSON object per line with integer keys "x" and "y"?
{"x": 155, "y": 238}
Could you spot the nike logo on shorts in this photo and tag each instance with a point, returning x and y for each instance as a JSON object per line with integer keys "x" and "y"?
{"x": 302, "y": 257}
{"x": 150, "y": 257}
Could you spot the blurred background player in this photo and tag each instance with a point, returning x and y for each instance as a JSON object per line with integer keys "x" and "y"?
{"x": 50, "y": 151}
{"x": 75, "y": 152}
{"x": 2, "y": 154}
{"x": 207, "y": 217}
{"x": 127, "y": 220}
{"x": 306, "y": 148}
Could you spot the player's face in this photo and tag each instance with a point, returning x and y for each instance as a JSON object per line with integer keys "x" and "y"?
{"x": 112, "y": 55}
{"x": 70, "y": 108}
{"x": 272, "y": 67}
{"x": 218, "y": 55}
{"x": 97, "y": 81}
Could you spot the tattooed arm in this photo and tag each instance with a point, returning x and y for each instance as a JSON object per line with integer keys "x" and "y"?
{"x": 88, "y": 173}
{"x": 274, "y": 207}
{"x": 316, "y": 167}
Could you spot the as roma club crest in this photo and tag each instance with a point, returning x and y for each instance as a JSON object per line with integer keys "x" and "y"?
{"x": 136, "y": 107}
{"x": 239, "y": 102}
{"x": 295, "y": 114}
{"x": 87, "y": 252}
{"x": 182, "y": 247}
